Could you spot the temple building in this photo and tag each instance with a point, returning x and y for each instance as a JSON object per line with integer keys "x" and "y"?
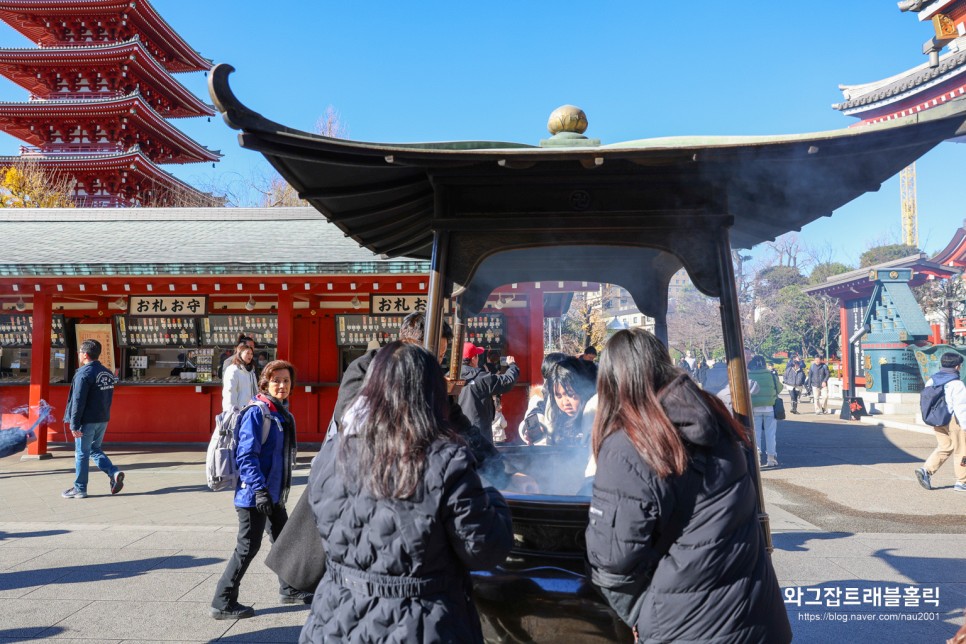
{"x": 101, "y": 93}
{"x": 936, "y": 81}
{"x": 939, "y": 79}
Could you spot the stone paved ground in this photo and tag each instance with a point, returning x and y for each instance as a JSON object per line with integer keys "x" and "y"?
{"x": 846, "y": 514}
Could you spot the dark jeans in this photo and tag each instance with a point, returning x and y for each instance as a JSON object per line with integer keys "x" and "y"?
{"x": 251, "y": 526}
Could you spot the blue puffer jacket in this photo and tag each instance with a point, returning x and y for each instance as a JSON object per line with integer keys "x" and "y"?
{"x": 267, "y": 465}
{"x": 12, "y": 441}
{"x": 91, "y": 394}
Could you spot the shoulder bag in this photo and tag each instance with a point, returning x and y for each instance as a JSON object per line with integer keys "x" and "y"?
{"x": 298, "y": 556}
{"x": 779, "y": 404}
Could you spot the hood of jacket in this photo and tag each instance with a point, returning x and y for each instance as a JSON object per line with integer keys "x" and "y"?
{"x": 944, "y": 376}
{"x": 689, "y": 410}
{"x": 469, "y": 373}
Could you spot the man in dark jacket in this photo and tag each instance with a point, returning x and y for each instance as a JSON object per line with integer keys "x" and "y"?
{"x": 88, "y": 411}
{"x": 476, "y": 399}
{"x": 818, "y": 375}
{"x": 794, "y": 379}
{"x": 411, "y": 330}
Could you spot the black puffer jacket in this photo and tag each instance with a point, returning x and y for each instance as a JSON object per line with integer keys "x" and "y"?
{"x": 717, "y": 583}
{"x": 451, "y": 525}
{"x": 476, "y": 399}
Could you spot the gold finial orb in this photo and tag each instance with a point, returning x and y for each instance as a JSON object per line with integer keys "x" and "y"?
{"x": 567, "y": 118}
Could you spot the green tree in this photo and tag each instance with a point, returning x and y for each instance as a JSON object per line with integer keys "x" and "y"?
{"x": 796, "y": 321}
{"x": 774, "y": 278}
{"x": 823, "y": 271}
{"x": 885, "y": 253}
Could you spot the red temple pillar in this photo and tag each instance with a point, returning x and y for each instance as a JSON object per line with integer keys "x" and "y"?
{"x": 286, "y": 322}
{"x": 536, "y": 337}
{"x": 39, "y": 370}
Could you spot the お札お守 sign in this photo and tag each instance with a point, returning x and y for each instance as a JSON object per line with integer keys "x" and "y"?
{"x": 182, "y": 306}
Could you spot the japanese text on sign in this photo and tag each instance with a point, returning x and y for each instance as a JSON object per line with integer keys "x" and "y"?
{"x": 178, "y": 305}
{"x": 396, "y": 304}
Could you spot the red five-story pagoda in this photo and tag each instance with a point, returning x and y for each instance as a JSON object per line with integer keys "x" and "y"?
{"x": 101, "y": 93}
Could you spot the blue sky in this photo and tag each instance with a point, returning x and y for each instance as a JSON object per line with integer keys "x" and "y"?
{"x": 425, "y": 71}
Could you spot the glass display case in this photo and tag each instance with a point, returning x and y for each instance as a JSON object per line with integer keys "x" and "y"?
{"x": 156, "y": 331}
{"x": 161, "y": 365}
{"x": 487, "y": 330}
{"x": 223, "y": 330}
{"x": 15, "y": 348}
{"x": 16, "y": 330}
{"x": 360, "y": 330}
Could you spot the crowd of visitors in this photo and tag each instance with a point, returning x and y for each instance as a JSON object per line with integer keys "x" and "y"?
{"x": 404, "y": 494}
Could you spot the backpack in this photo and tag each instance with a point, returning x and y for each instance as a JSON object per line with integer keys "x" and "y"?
{"x": 221, "y": 465}
{"x": 932, "y": 402}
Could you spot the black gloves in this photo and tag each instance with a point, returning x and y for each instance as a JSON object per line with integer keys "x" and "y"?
{"x": 263, "y": 502}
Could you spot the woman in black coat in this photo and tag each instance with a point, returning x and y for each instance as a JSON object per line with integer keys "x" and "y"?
{"x": 674, "y": 540}
{"x": 402, "y": 514}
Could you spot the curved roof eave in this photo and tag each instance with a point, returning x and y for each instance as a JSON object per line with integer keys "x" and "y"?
{"x": 383, "y": 195}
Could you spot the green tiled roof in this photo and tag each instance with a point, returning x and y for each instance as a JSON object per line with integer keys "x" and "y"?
{"x": 182, "y": 241}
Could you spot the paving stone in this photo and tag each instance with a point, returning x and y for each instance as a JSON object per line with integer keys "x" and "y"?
{"x": 821, "y": 543}
{"x": 802, "y": 566}
{"x": 18, "y": 583}
{"x": 102, "y": 560}
{"x": 147, "y": 586}
{"x": 25, "y": 618}
{"x": 270, "y": 624}
{"x": 139, "y": 620}
{"x": 209, "y": 540}
{"x": 70, "y": 538}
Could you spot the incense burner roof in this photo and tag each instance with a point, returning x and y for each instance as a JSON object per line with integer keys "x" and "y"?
{"x": 652, "y": 204}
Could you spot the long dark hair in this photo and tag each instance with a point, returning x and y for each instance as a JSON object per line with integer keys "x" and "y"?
{"x": 236, "y": 359}
{"x": 406, "y": 410}
{"x": 576, "y": 378}
{"x": 633, "y": 370}
{"x": 634, "y": 367}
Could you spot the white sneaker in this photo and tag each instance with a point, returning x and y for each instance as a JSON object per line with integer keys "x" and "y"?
{"x": 772, "y": 461}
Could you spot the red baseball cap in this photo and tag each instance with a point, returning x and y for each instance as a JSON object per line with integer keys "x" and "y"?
{"x": 470, "y": 350}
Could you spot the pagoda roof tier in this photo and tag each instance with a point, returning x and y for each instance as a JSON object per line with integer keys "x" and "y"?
{"x": 117, "y": 69}
{"x": 909, "y": 92}
{"x": 130, "y": 174}
{"x": 52, "y": 23}
{"x": 125, "y": 121}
